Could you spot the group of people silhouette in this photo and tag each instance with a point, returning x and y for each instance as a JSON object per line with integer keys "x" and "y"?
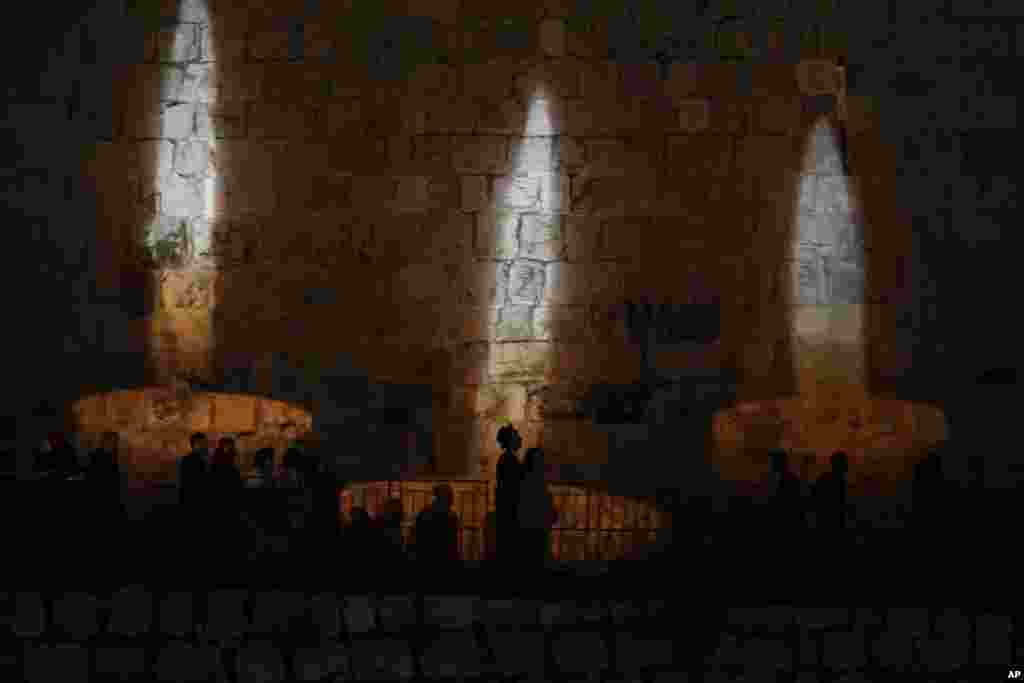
{"x": 292, "y": 508}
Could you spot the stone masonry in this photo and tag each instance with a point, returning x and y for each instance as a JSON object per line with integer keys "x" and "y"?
{"x": 501, "y": 180}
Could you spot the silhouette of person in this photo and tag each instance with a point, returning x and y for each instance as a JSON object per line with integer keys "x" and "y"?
{"x": 192, "y": 473}
{"x": 536, "y": 511}
{"x": 323, "y": 487}
{"x": 103, "y": 476}
{"x": 830, "y": 496}
{"x": 262, "y": 475}
{"x": 225, "y": 488}
{"x": 509, "y": 476}
{"x": 194, "y": 495}
{"x": 293, "y": 468}
{"x": 56, "y": 459}
{"x": 389, "y": 534}
{"x": 437, "y": 530}
{"x": 927, "y": 484}
{"x": 359, "y": 537}
{"x": 787, "y": 503}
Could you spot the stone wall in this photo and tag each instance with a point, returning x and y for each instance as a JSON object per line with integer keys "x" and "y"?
{"x": 491, "y": 186}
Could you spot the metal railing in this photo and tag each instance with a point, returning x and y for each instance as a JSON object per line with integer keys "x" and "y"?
{"x": 592, "y": 524}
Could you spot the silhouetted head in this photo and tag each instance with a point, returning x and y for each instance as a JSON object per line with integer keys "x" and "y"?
{"x": 391, "y": 513}
{"x": 360, "y": 517}
{"x": 840, "y": 463}
{"x": 780, "y": 461}
{"x": 293, "y": 459}
{"x": 443, "y": 497}
{"x": 533, "y": 461}
{"x": 263, "y": 458}
{"x": 110, "y": 442}
{"x": 198, "y": 442}
{"x": 509, "y": 439}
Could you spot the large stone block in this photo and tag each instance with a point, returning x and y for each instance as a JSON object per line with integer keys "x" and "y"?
{"x": 317, "y": 664}
{"x": 123, "y": 662}
{"x": 29, "y": 619}
{"x": 552, "y": 38}
{"x": 699, "y": 155}
{"x": 580, "y": 651}
{"x": 532, "y": 154}
{"x": 592, "y": 117}
{"x": 993, "y": 639}
{"x": 174, "y": 44}
{"x": 502, "y": 116}
{"x": 260, "y": 661}
{"x": 557, "y": 77}
{"x": 180, "y": 661}
{"x": 475, "y": 192}
{"x": 565, "y": 283}
{"x": 450, "y": 115}
{"x": 519, "y": 651}
{"x": 76, "y": 615}
{"x": 382, "y": 660}
{"x": 522, "y": 192}
{"x": 176, "y": 614}
{"x": 62, "y": 662}
{"x": 223, "y": 120}
{"x": 477, "y": 154}
{"x": 453, "y": 654}
{"x": 279, "y": 120}
{"x": 450, "y": 612}
{"x": 131, "y": 611}
{"x": 276, "y": 611}
{"x": 166, "y": 120}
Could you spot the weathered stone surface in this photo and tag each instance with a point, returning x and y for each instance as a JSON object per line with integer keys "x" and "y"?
{"x": 450, "y": 612}
{"x": 580, "y": 651}
{"x": 382, "y": 660}
{"x": 226, "y": 614}
{"x": 452, "y": 653}
{"x": 518, "y": 651}
{"x": 29, "y": 615}
{"x": 131, "y": 611}
{"x": 276, "y": 611}
{"x": 316, "y": 664}
{"x": 359, "y": 614}
{"x": 260, "y": 661}
{"x": 76, "y": 614}
{"x": 176, "y": 614}
{"x": 126, "y": 662}
{"x": 61, "y": 662}
{"x": 181, "y": 661}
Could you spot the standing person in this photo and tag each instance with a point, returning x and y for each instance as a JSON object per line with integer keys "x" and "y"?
{"x": 324, "y": 489}
{"x": 927, "y": 496}
{"x": 194, "y": 487}
{"x": 830, "y": 496}
{"x": 536, "y": 510}
{"x": 262, "y": 475}
{"x": 787, "y": 503}
{"x": 56, "y": 459}
{"x": 389, "y": 530}
{"x": 103, "y": 477}
{"x": 509, "y": 476}
{"x": 437, "y": 530}
{"x": 226, "y": 488}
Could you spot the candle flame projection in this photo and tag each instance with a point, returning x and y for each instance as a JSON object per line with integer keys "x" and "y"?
{"x": 182, "y": 185}
{"x": 832, "y": 409}
{"x": 526, "y": 218}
